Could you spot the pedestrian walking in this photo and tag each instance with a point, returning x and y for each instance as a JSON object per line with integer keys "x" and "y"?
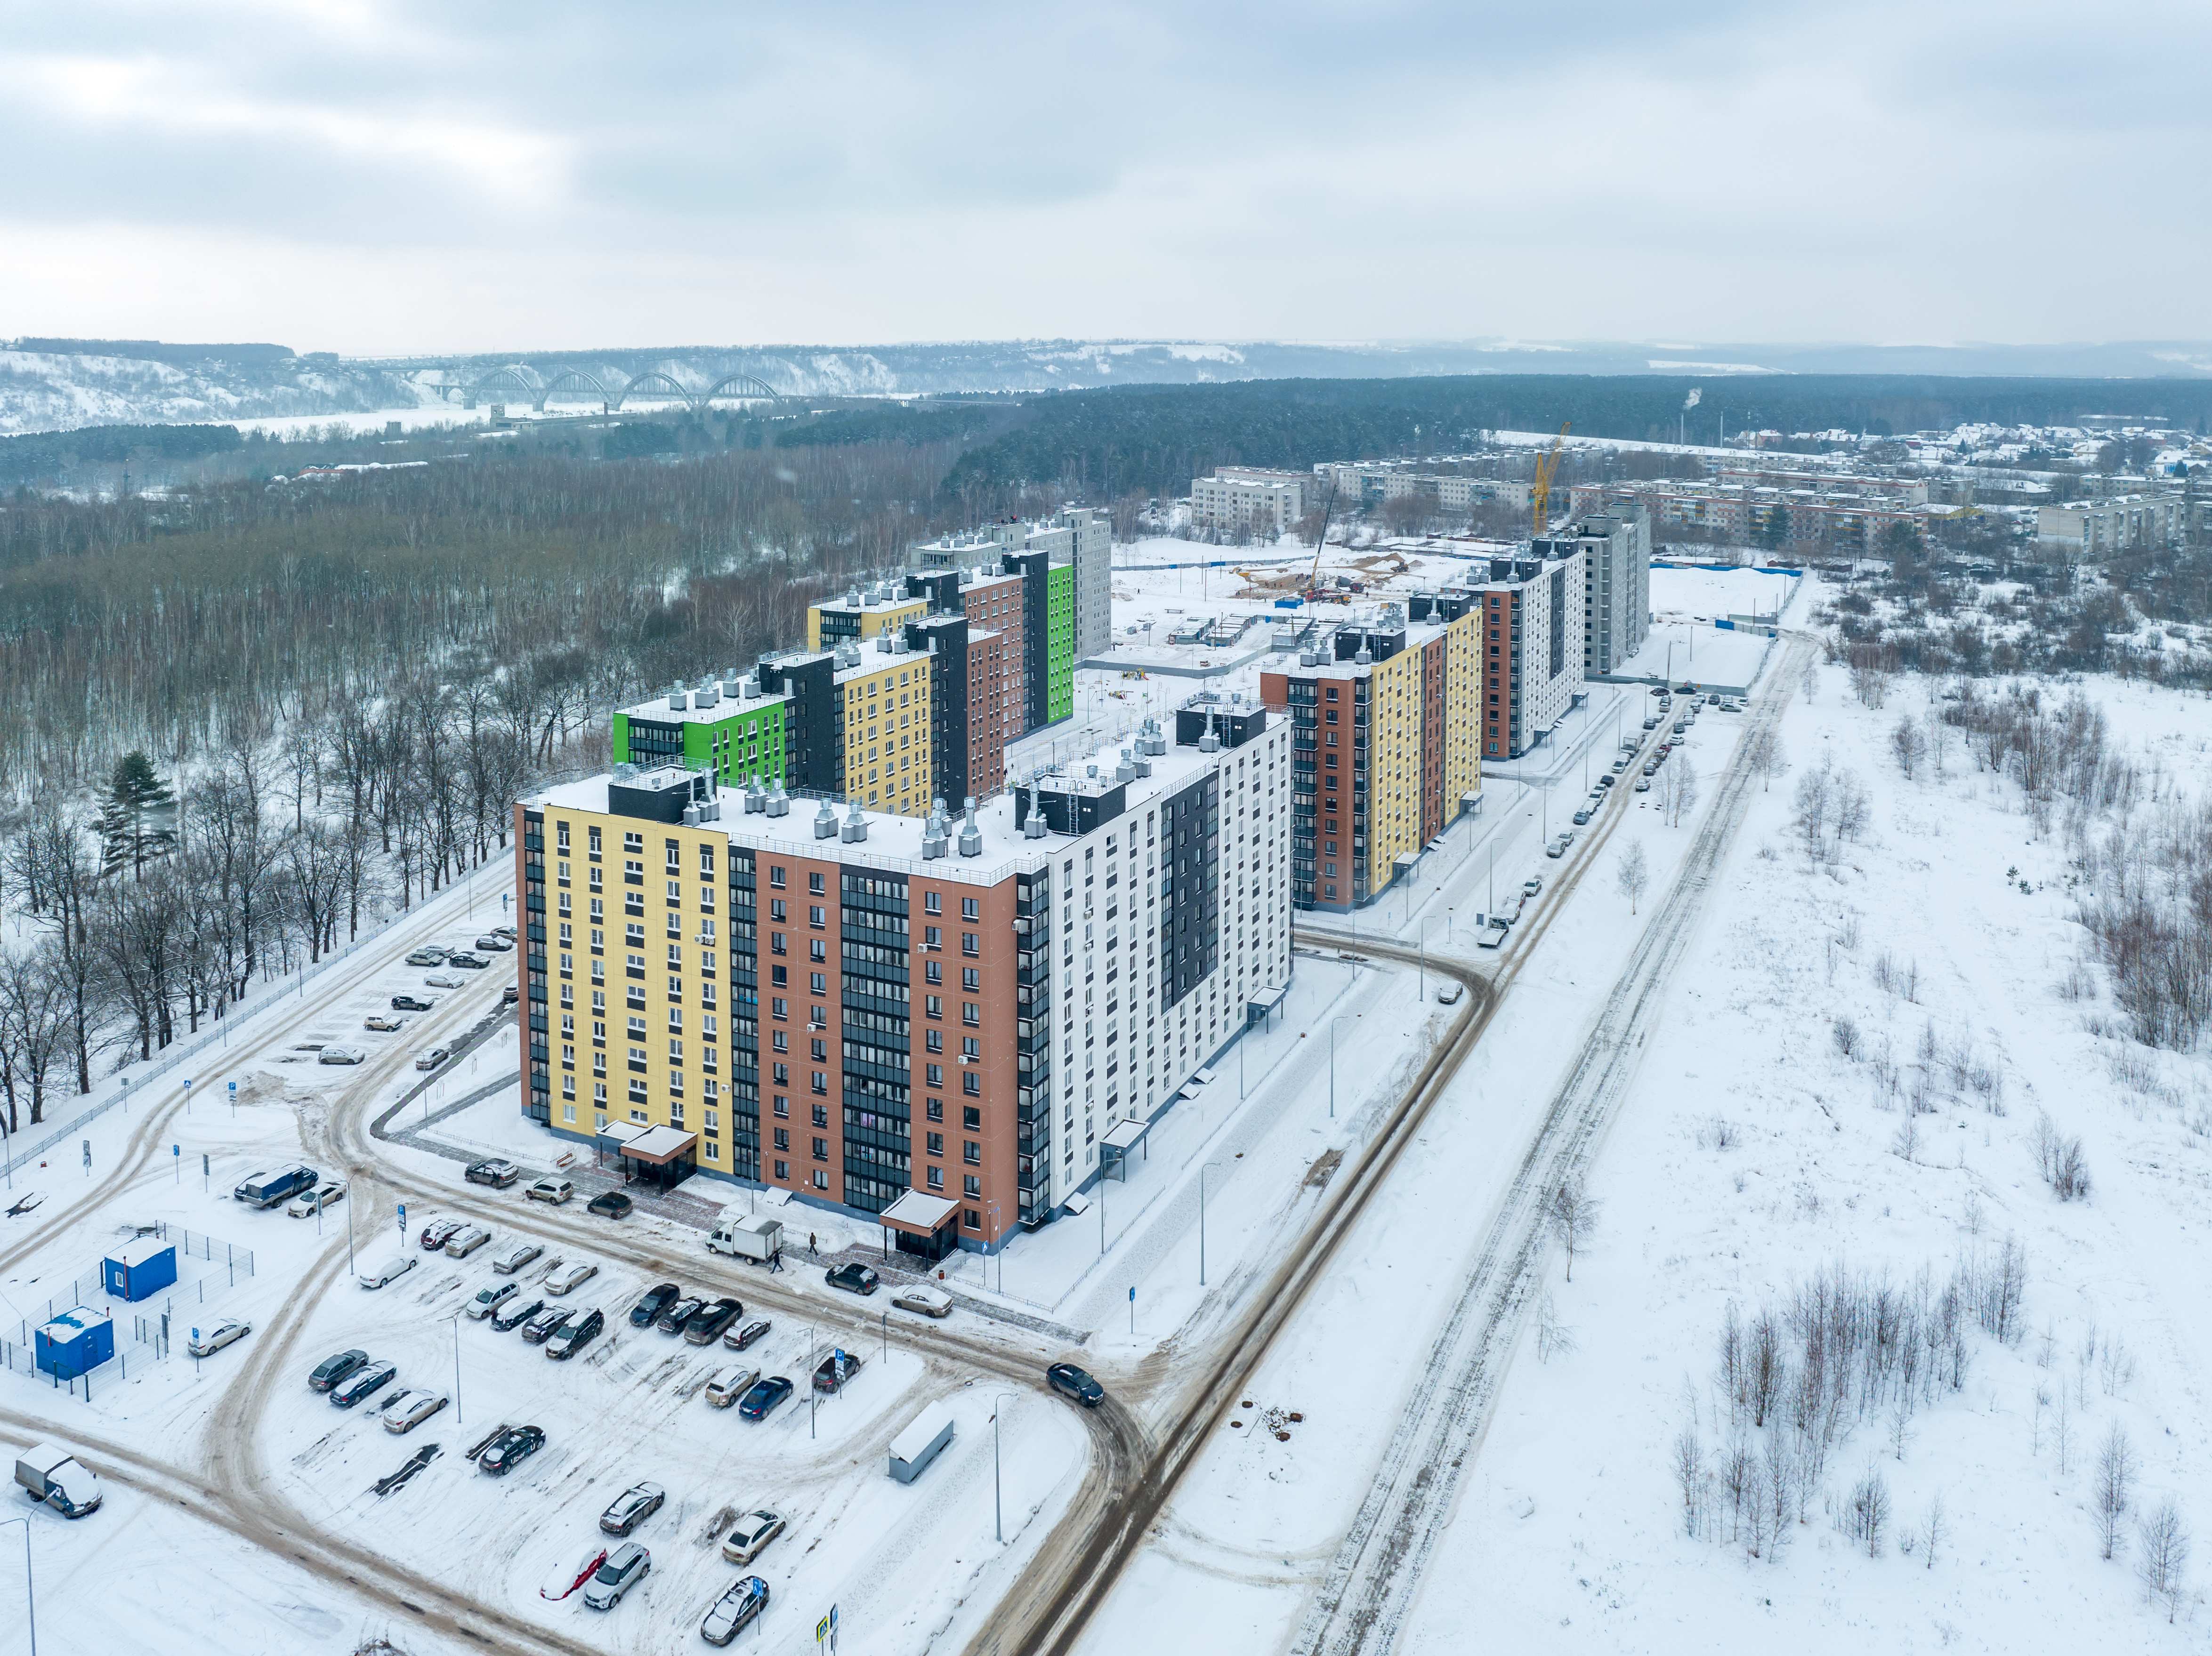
{"x": 811, "y": 1247}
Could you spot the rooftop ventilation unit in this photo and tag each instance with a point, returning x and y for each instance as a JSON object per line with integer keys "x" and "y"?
{"x": 1365, "y": 656}
{"x": 1152, "y": 739}
{"x": 856, "y": 826}
{"x": 691, "y": 817}
{"x": 708, "y": 693}
{"x": 1126, "y": 770}
{"x": 778, "y": 802}
{"x": 625, "y": 771}
{"x": 756, "y": 798}
{"x": 1034, "y": 827}
{"x": 1209, "y": 743}
{"x": 735, "y": 688}
{"x": 677, "y": 699}
{"x": 933, "y": 836}
{"x": 825, "y": 821}
{"x": 971, "y": 836}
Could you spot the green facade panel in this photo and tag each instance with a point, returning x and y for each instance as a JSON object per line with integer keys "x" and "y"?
{"x": 747, "y": 743}
{"x": 1060, "y": 643}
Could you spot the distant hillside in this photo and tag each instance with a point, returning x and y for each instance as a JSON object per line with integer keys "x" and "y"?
{"x": 50, "y": 384}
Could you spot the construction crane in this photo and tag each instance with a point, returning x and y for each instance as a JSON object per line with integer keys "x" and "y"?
{"x": 1539, "y": 496}
{"x": 1313, "y": 580}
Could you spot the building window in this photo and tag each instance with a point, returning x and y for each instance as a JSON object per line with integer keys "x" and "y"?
{"x": 936, "y": 1178}
{"x": 783, "y": 1170}
{"x": 970, "y": 1185}
{"x": 973, "y": 1218}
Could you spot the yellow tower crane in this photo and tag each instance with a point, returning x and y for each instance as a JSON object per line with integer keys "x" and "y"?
{"x": 1540, "y": 497}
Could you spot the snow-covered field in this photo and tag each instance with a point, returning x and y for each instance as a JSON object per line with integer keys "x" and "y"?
{"x": 1753, "y": 1154}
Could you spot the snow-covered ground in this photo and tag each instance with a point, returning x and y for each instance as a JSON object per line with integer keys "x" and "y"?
{"x": 1751, "y": 1153}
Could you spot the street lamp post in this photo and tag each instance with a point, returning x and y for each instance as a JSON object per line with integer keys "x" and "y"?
{"x": 1201, "y": 1221}
{"x": 457, "y": 1416}
{"x": 999, "y": 1402}
{"x": 30, "y": 1597}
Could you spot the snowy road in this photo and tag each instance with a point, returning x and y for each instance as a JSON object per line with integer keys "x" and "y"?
{"x": 1378, "y": 1570}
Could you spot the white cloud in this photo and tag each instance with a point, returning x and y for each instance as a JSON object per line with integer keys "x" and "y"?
{"x": 388, "y": 177}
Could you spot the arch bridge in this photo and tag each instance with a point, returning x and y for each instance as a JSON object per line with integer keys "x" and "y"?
{"x": 519, "y": 381}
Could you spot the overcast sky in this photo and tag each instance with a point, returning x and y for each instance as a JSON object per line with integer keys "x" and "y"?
{"x": 391, "y": 177}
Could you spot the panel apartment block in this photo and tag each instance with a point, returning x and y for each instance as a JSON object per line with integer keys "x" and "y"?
{"x": 931, "y": 1023}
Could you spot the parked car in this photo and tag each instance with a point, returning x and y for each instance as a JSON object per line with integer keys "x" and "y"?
{"x": 341, "y": 1055}
{"x": 1714, "y": 700}
{"x": 492, "y": 943}
{"x": 506, "y": 932}
{"x": 429, "y": 955}
{"x": 330, "y": 1370}
{"x": 632, "y": 1508}
{"x": 729, "y": 1384}
{"x": 750, "y": 1535}
{"x": 431, "y": 1057}
{"x": 676, "y": 1312}
{"x": 497, "y": 1172}
{"x": 626, "y": 1566}
{"x": 1449, "y": 994}
{"x": 1651, "y": 724}
{"x": 1557, "y": 848}
{"x": 569, "y": 1277}
{"x": 761, "y": 1402}
{"x": 208, "y": 1341}
{"x": 509, "y": 995}
{"x": 466, "y": 1240}
{"x": 610, "y": 1204}
{"x": 1582, "y": 816}
{"x": 554, "y": 1190}
{"x": 1680, "y": 725}
{"x": 929, "y": 1301}
{"x": 575, "y": 1334}
{"x": 740, "y": 1604}
{"x": 490, "y": 1299}
{"x": 1070, "y": 1381}
{"x": 441, "y": 980}
{"x": 438, "y": 1233}
{"x": 1605, "y": 781}
{"x": 516, "y": 1256}
{"x": 738, "y": 1339}
{"x": 654, "y": 1300}
{"x": 1491, "y": 936}
{"x": 318, "y": 1200}
{"x": 381, "y": 1024}
{"x": 1643, "y": 784}
{"x": 511, "y": 1448}
{"x": 408, "y": 1409}
{"x": 1531, "y": 886}
{"x": 377, "y": 1273}
{"x": 516, "y": 1310}
{"x": 364, "y": 1382}
{"x": 853, "y": 1278}
{"x": 705, "y": 1324}
{"x": 411, "y": 1004}
{"x": 543, "y": 1326}
{"x": 465, "y": 961}
{"x": 832, "y": 1373}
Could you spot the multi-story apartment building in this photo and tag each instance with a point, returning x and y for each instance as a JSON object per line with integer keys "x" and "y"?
{"x": 933, "y": 1023}
{"x": 1532, "y": 661}
{"x": 1246, "y": 499}
{"x": 1373, "y": 483}
{"x": 994, "y": 637}
{"x": 2119, "y": 523}
{"x": 1850, "y": 518}
{"x": 1616, "y": 553}
{"x": 1080, "y": 538}
{"x": 1386, "y": 746}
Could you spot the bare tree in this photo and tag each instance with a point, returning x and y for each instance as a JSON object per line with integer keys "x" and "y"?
{"x": 1677, "y": 789}
{"x": 1634, "y": 875}
{"x": 1907, "y": 743}
{"x": 1933, "y": 1535}
{"x": 1768, "y": 759}
{"x": 36, "y": 1027}
{"x": 2164, "y": 1561}
{"x": 1689, "y": 1470}
{"x": 2116, "y": 1477}
{"x": 1572, "y": 1212}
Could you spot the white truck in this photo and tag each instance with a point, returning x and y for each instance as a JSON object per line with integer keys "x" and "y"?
{"x": 60, "y": 1479}
{"x": 752, "y": 1238}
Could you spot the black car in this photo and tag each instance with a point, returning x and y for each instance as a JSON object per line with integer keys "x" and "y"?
{"x": 410, "y": 1003}
{"x": 511, "y": 1448}
{"x": 833, "y": 1370}
{"x": 853, "y": 1279}
{"x": 1070, "y": 1381}
{"x": 610, "y": 1204}
{"x": 675, "y": 1315}
{"x": 516, "y": 1311}
{"x": 657, "y": 1300}
{"x": 466, "y": 961}
{"x": 745, "y": 1337}
{"x": 546, "y": 1324}
{"x": 364, "y": 1382}
{"x": 632, "y": 1508}
{"x": 705, "y": 1325}
{"x": 497, "y": 1174}
{"x": 332, "y": 1370}
{"x": 574, "y": 1335}
{"x": 758, "y": 1403}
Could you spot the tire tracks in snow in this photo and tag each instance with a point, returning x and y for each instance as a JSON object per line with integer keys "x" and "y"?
{"x": 1370, "y": 1587}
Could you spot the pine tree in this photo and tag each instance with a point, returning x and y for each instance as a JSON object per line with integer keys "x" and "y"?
{"x": 136, "y": 814}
